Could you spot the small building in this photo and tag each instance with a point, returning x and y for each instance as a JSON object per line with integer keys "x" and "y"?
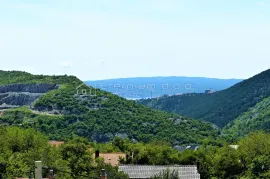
{"x": 111, "y": 158}
{"x": 56, "y": 143}
{"x": 182, "y": 148}
{"x": 234, "y": 146}
{"x": 209, "y": 91}
{"x": 148, "y": 171}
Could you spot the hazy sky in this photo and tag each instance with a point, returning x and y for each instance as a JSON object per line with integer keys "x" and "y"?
{"x": 128, "y": 38}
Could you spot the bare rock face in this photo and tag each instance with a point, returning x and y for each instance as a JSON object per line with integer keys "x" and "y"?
{"x": 30, "y": 88}
{"x": 16, "y": 95}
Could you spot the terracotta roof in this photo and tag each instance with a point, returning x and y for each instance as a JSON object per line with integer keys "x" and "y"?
{"x": 148, "y": 171}
{"x": 112, "y": 158}
{"x": 56, "y": 143}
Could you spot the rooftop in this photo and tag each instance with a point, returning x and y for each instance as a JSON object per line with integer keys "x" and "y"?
{"x": 56, "y": 143}
{"x": 112, "y": 158}
{"x": 148, "y": 171}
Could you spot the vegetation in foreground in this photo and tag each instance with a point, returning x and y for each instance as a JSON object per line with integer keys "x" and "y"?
{"x": 21, "y": 147}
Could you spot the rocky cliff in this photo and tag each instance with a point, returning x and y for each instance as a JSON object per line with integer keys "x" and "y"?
{"x": 22, "y": 94}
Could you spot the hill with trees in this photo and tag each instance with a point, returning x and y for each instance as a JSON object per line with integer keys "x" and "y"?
{"x": 146, "y": 87}
{"x": 74, "y": 109}
{"x": 220, "y": 107}
{"x": 256, "y": 118}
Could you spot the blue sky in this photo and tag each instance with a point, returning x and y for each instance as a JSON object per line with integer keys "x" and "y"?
{"x": 127, "y": 38}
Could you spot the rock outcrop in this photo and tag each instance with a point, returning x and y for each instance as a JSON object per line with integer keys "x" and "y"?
{"x": 30, "y": 88}
{"x": 16, "y": 95}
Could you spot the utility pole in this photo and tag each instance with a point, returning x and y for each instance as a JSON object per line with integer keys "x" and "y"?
{"x": 103, "y": 174}
{"x": 51, "y": 175}
{"x": 29, "y": 175}
{"x": 38, "y": 170}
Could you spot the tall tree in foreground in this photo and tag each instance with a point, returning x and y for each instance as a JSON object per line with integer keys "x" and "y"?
{"x": 254, "y": 153}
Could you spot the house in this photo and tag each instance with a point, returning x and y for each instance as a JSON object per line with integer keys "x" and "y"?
{"x": 56, "y": 143}
{"x": 148, "y": 171}
{"x": 111, "y": 158}
{"x": 209, "y": 91}
{"x": 234, "y": 146}
{"x": 186, "y": 147}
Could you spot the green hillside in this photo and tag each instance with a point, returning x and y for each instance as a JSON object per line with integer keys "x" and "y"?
{"x": 256, "y": 118}
{"x": 219, "y": 108}
{"x": 75, "y": 109}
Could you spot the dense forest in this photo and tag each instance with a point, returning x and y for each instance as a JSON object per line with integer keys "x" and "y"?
{"x": 97, "y": 115}
{"x": 256, "y": 118}
{"x": 220, "y": 107}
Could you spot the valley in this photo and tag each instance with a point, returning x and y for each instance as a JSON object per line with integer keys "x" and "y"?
{"x": 219, "y": 108}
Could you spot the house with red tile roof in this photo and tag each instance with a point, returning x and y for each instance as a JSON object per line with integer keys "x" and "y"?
{"x": 112, "y": 158}
{"x": 109, "y": 158}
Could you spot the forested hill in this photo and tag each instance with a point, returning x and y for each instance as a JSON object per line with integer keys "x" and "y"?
{"x": 146, "y": 87}
{"x": 256, "y": 118}
{"x": 221, "y": 107}
{"x": 67, "y": 107}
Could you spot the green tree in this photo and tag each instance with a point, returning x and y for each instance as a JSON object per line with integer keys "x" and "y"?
{"x": 254, "y": 152}
{"x": 78, "y": 156}
{"x": 227, "y": 163}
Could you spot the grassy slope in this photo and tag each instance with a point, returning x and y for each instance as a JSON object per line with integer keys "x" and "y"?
{"x": 221, "y": 107}
{"x": 117, "y": 116}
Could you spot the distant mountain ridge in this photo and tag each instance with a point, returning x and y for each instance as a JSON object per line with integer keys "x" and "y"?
{"x": 221, "y": 107}
{"x": 147, "y": 87}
